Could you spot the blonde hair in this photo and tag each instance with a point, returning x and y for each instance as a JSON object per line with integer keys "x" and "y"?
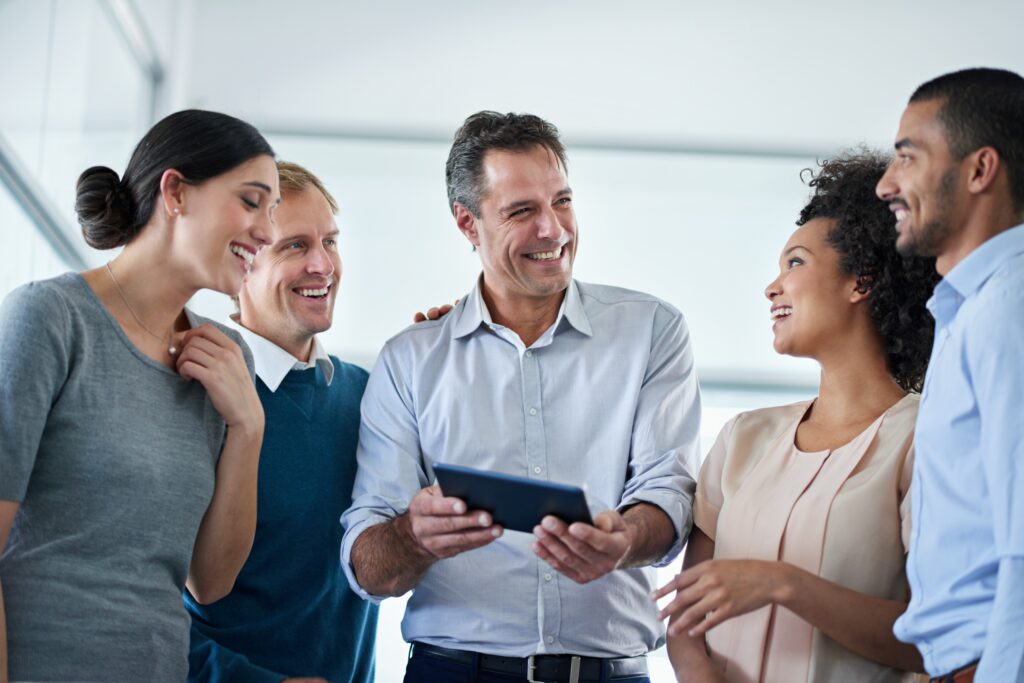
{"x": 295, "y": 178}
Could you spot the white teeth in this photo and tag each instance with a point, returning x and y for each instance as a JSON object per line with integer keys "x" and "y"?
{"x": 314, "y": 292}
{"x": 244, "y": 253}
{"x": 782, "y": 312}
{"x": 545, "y": 255}
{"x": 901, "y": 214}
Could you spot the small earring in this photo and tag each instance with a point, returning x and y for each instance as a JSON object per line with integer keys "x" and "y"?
{"x": 177, "y": 210}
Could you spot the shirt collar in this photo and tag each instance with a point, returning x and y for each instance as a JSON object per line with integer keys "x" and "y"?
{"x": 972, "y": 272}
{"x": 273, "y": 363}
{"x": 473, "y": 313}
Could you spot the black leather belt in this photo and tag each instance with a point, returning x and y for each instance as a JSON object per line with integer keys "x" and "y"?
{"x": 541, "y": 668}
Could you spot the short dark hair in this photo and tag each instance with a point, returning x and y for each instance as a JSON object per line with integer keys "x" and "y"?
{"x": 863, "y": 235}
{"x": 199, "y": 144}
{"x": 981, "y": 108}
{"x": 482, "y": 132}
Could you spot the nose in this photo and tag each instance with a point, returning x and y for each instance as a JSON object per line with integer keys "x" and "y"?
{"x": 260, "y": 231}
{"x": 774, "y": 288}
{"x": 319, "y": 262}
{"x": 887, "y": 187}
{"x": 548, "y": 227}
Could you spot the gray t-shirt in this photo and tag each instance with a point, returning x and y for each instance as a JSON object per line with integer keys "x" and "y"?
{"x": 112, "y": 457}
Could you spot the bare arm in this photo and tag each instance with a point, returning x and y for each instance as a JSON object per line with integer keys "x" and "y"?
{"x": 651, "y": 535}
{"x": 8, "y": 509}
{"x": 389, "y": 559}
{"x": 717, "y": 590}
{"x": 861, "y": 623}
{"x": 226, "y": 532}
{"x": 689, "y": 655}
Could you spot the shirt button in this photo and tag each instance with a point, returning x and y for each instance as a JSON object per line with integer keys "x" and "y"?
{"x": 536, "y": 469}
{"x": 547, "y": 577}
{"x": 529, "y": 353}
{"x": 533, "y": 411}
{"x": 550, "y": 639}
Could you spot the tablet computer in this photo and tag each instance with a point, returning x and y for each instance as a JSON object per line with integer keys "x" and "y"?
{"x": 515, "y": 503}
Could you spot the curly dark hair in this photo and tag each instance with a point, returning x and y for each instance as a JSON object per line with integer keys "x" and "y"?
{"x": 864, "y": 236}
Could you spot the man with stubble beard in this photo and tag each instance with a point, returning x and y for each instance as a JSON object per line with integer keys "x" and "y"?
{"x": 957, "y": 190}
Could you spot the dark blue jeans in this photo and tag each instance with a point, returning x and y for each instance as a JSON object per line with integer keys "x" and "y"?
{"x": 423, "y": 669}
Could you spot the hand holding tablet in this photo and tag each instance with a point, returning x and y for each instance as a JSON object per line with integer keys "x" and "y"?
{"x": 515, "y": 503}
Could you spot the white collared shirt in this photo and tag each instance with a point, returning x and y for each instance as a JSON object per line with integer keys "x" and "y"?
{"x": 273, "y": 362}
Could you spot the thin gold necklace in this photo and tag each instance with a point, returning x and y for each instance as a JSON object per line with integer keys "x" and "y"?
{"x": 166, "y": 340}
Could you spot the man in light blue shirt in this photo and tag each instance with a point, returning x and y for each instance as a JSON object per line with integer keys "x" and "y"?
{"x": 957, "y": 189}
{"x": 537, "y": 375}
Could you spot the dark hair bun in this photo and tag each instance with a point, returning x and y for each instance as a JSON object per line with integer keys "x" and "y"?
{"x": 104, "y": 208}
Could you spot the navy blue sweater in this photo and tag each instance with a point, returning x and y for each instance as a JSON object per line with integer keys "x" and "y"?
{"x": 291, "y": 612}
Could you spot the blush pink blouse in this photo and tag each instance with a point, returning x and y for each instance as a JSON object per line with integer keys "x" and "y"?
{"x": 842, "y": 514}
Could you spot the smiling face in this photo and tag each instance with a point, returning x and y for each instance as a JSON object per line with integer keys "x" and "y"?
{"x": 223, "y": 221}
{"x": 289, "y": 294}
{"x": 526, "y": 230}
{"x": 921, "y": 184}
{"x": 812, "y": 298}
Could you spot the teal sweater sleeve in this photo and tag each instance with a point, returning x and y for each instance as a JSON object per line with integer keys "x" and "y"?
{"x": 209, "y": 662}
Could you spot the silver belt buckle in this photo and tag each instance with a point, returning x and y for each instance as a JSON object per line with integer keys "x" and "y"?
{"x": 574, "y": 670}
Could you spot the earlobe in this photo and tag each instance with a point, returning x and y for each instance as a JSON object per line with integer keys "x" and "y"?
{"x": 466, "y": 222}
{"x": 860, "y": 290}
{"x": 172, "y": 192}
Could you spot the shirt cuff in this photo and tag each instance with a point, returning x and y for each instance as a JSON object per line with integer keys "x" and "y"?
{"x": 355, "y": 529}
{"x": 673, "y": 505}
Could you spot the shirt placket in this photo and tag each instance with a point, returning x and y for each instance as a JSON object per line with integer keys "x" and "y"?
{"x": 549, "y": 614}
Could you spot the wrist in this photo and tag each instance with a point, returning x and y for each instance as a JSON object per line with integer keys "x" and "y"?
{"x": 784, "y": 579}
{"x": 249, "y": 427}
{"x": 403, "y": 529}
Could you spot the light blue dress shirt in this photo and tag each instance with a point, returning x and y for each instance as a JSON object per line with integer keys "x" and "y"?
{"x": 966, "y": 560}
{"x": 607, "y": 398}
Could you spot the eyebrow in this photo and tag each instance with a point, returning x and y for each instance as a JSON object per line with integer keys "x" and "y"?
{"x": 304, "y": 236}
{"x": 904, "y": 143}
{"x": 509, "y": 208}
{"x": 262, "y": 186}
{"x": 795, "y": 247}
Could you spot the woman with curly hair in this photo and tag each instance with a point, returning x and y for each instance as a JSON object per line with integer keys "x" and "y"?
{"x": 795, "y": 567}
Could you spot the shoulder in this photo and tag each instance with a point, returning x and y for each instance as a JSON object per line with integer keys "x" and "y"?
{"x": 350, "y": 371}
{"x": 422, "y": 339}
{"x": 763, "y": 423}
{"x": 1004, "y": 290}
{"x": 620, "y": 297}
{"x": 43, "y": 304}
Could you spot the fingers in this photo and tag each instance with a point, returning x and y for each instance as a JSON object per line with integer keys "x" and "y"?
{"x": 433, "y": 313}
{"x": 581, "y": 552}
{"x": 444, "y": 527}
{"x": 711, "y": 611}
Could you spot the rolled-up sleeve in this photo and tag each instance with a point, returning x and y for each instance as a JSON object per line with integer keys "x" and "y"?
{"x": 390, "y": 464}
{"x": 666, "y": 430}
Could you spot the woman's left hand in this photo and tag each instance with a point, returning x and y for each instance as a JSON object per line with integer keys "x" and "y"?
{"x": 216, "y": 361}
{"x": 716, "y": 590}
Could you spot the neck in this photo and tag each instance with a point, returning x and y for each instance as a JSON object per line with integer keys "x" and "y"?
{"x": 855, "y": 384}
{"x": 528, "y": 317}
{"x": 988, "y": 219}
{"x": 151, "y": 284}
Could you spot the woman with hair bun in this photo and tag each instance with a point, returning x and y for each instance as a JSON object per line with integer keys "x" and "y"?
{"x": 130, "y": 427}
{"x": 795, "y": 566}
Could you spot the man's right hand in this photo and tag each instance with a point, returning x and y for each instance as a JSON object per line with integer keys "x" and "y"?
{"x": 441, "y": 527}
